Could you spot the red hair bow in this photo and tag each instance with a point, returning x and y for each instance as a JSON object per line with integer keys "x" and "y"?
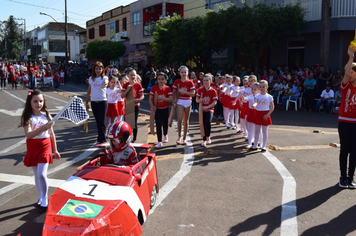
{"x": 30, "y": 92}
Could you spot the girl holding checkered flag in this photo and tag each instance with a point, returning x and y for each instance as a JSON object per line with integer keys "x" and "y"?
{"x": 40, "y": 141}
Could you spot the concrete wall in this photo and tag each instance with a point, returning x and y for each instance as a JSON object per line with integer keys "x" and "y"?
{"x": 194, "y": 8}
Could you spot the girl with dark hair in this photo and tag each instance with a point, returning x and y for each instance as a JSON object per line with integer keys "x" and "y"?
{"x": 40, "y": 141}
{"x": 97, "y": 96}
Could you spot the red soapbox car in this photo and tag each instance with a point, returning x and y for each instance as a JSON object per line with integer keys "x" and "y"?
{"x": 104, "y": 200}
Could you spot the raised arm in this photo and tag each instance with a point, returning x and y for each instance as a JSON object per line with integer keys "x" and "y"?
{"x": 351, "y": 52}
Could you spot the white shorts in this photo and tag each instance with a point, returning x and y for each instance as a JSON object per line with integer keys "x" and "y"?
{"x": 184, "y": 103}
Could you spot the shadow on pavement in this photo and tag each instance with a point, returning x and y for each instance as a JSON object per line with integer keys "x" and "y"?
{"x": 29, "y": 213}
{"x": 303, "y": 205}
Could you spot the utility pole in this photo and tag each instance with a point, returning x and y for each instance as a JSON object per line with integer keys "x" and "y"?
{"x": 65, "y": 32}
{"x": 325, "y": 33}
{"x": 24, "y": 34}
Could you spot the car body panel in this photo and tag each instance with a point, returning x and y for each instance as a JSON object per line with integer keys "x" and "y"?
{"x": 101, "y": 200}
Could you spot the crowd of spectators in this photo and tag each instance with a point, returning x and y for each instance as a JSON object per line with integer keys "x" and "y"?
{"x": 316, "y": 86}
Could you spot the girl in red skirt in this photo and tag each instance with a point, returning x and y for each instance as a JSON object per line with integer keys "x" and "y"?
{"x": 244, "y": 106}
{"x": 235, "y": 104}
{"x": 226, "y": 99}
{"x": 251, "y": 114}
{"x": 120, "y": 101}
{"x": 112, "y": 94}
{"x": 264, "y": 109}
{"x": 40, "y": 141}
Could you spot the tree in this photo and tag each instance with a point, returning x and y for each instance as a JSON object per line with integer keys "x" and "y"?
{"x": 178, "y": 40}
{"x": 325, "y": 33}
{"x": 105, "y": 50}
{"x": 11, "y": 38}
{"x": 248, "y": 29}
{"x": 251, "y": 29}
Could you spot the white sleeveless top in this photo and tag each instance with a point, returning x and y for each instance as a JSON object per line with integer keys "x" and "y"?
{"x": 37, "y": 122}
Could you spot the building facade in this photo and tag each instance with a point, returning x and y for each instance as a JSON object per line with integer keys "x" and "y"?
{"x": 47, "y": 43}
{"x": 302, "y": 50}
{"x": 144, "y": 15}
{"x": 112, "y": 25}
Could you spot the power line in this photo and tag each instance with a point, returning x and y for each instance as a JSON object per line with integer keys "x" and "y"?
{"x": 49, "y": 8}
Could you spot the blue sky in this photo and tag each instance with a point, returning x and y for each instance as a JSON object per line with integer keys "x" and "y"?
{"x": 78, "y": 11}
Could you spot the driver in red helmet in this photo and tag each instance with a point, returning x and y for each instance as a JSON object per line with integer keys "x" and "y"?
{"x": 121, "y": 152}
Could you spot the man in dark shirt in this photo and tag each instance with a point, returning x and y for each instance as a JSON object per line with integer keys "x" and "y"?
{"x": 322, "y": 79}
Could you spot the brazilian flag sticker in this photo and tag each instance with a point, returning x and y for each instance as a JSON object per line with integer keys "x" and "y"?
{"x": 80, "y": 209}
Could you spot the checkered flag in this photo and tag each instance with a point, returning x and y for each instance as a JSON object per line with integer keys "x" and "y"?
{"x": 74, "y": 111}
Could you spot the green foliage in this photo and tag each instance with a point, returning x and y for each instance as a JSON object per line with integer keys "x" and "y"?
{"x": 179, "y": 40}
{"x": 105, "y": 50}
{"x": 11, "y": 34}
{"x": 248, "y": 29}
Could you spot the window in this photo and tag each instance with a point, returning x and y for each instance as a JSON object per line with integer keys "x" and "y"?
{"x": 124, "y": 22}
{"x": 57, "y": 46}
{"x": 117, "y": 28}
{"x": 91, "y": 33}
{"x": 136, "y": 18}
{"x": 102, "y": 30}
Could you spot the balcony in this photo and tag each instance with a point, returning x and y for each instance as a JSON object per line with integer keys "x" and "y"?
{"x": 339, "y": 8}
{"x": 149, "y": 28}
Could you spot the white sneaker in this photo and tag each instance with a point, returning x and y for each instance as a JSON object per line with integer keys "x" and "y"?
{"x": 44, "y": 202}
{"x": 196, "y": 111}
{"x": 159, "y": 145}
{"x": 203, "y": 144}
{"x": 208, "y": 141}
{"x": 165, "y": 139}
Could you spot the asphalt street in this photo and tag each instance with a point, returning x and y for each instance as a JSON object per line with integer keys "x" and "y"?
{"x": 223, "y": 189}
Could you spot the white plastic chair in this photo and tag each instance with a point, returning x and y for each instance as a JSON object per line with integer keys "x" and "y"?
{"x": 292, "y": 101}
{"x": 279, "y": 95}
{"x": 301, "y": 98}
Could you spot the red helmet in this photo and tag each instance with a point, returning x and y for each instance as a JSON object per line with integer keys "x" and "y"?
{"x": 120, "y": 135}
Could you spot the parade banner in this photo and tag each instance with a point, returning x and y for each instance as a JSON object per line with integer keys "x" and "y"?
{"x": 112, "y": 31}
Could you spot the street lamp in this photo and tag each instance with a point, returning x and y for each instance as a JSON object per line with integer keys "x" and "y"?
{"x": 65, "y": 32}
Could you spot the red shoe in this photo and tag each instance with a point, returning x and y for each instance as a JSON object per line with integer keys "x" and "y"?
{"x": 239, "y": 132}
{"x": 246, "y": 140}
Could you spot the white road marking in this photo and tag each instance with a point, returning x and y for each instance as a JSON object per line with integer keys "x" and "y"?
{"x": 19, "y": 111}
{"x": 22, "y": 100}
{"x": 57, "y": 99}
{"x": 18, "y": 184}
{"x": 185, "y": 168}
{"x": 29, "y": 180}
{"x": 13, "y": 147}
{"x": 289, "y": 223}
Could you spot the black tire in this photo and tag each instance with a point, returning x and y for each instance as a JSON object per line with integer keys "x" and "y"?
{"x": 153, "y": 196}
